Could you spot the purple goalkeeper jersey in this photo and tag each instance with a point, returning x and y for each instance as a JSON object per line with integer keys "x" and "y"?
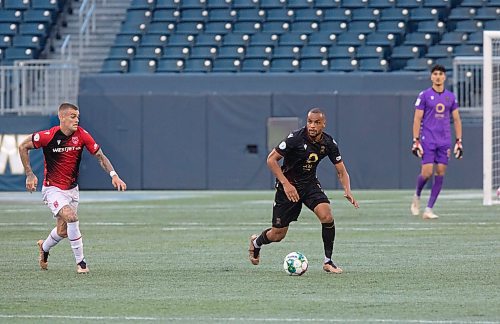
{"x": 437, "y": 107}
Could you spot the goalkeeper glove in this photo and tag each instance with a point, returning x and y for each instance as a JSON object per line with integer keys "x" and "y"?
{"x": 458, "y": 150}
{"x": 416, "y": 148}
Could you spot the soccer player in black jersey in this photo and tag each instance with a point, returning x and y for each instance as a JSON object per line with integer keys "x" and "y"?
{"x": 296, "y": 184}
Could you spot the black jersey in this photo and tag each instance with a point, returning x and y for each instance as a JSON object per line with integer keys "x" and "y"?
{"x": 302, "y": 156}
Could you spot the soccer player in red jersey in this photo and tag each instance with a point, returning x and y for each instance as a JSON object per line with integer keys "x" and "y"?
{"x": 296, "y": 184}
{"x": 62, "y": 149}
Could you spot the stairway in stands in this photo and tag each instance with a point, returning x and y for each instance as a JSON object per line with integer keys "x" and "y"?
{"x": 109, "y": 16}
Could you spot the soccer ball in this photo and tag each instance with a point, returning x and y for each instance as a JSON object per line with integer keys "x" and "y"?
{"x": 295, "y": 264}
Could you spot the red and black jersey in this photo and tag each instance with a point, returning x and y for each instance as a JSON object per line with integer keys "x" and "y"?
{"x": 63, "y": 155}
{"x": 302, "y": 156}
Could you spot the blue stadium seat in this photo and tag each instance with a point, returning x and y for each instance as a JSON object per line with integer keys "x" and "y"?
{"x": 267, "y": 39}
{"x": 192, "y": 28}
{"x": 231, "y": 52}
{"x": 383, "y": 39}
{"x": 218, "y": 27}
{"x": 191, "y": 4}
{"x": 175, "y": 52}
{"x": 203, "y": 52}
{"x": 440, "y": 51}
{"x": 420, "y": 39}
{"x": 374, "y": 65}
{"x": 462, "y": 13}
{"x": 139, "y": 16}
{"x": 337, "y": 52}
{"x": 381, "y": 4}
{"x": 421, "y": 14}
{"x": 244, "y": 4}
{"x": 398, "y": 14}
{"x": 8, "y": 29}
{"x": 454, "y": 38}
{"x": 170, "y": 66}
{"x": 408, "y": 3}
{"x": 284, "y": 65}
{"x": 492, "y": 25}
{"x": 269, "y": 4}
{"x": 10, "y": 16}
{"x": 308, "y": 14}
{"x": 163, "y": 15}
{"x": 286, "y": 52}
{"x": 198, "y": 65}
{"x": 127, "y": 40}
{"x": 218, "y": 4}
{"x": 252, "y": 15}
{"x": 142, "y": 4}
{"x": 300, "y": 4}
{"x": 418, "y": 64}
{"x": 313, "y": 65}
{"x": 327, "y": 3}
{"x": 181, "y": 40}
{"x": 47, "y": 4}
{"x": 367, "y": 51}
{"x": 226, "y": 65}
{"x": 488, "y": 13}
{"x": 28, "y": 41}
{"x": 293, "y": 38}
{"x": 5, "y": 41}
{"x": 258, "y": 52}
{"x": 364, "y": 27}
{"x": 194, "y": 15}
{"x": 142, "y": 66}
{"x": 354, "y": 4}
{"x": 343, "y": 65}
{"x": 335, "y": 27}
{"x": 39, "y": 16}
{"x": 20, "y": 53}
{"x": 16, "y": 4}
{"x": 431, "y": 26}
{"x": 369, "y": 14}
{"x": 281, "y": 14}
{"x": 392, "y": 26}
{"x": 238, "y": 39}
{"x": 154, "y": 40}
{"x": 121, "y": 52}
{"x": 276, "y": 27}
{"x": 446, "y": 62}
{"x": 314, "y": 52}
{"x": 166, "y": 4}
{"x": 161, "y": 27}
{"x": 437, "y": 3}
{"x": 222, "y": 15}
{"x": 208, "y": 39}
{"x": 406, "y": 52}
{"x": 255, "y": 65}
{"x": 468, "y": 50}
{"x": 337, "y": 14}
{"x": 322, "y": 38}
{"x": 115, "y": 66}
{"x": 468, "y": 26}
{"x": 475, "y": 38}
{"x": 351, "y": 39}
{"x": 247, "y": 27}
{"x": 148, "y": 52}
{"x": 492, "y": 3}
{"x": 133, "y": 28}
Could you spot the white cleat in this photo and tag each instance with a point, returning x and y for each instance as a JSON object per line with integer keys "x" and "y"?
{"x": 415, "y": 206}
{"x": 429, "y": 214}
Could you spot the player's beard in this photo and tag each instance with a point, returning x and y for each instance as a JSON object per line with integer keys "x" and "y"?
{"x": 314, "y": 134}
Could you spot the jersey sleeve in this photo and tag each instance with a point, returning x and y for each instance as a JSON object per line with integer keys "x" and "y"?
{"x": 41, "y": 138}
{"x": 454, "y": 105}
{"x": 89, "y": 142}
{"x": 286, "y": 145}
{"x": 420, "y": 102}
{"x": 333, "y": 151}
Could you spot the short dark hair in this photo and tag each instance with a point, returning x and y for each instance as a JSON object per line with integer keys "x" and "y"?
{"x": 67, "y": 105}
{"x": 438, "y": 67}
{"x": 316, "y": 111}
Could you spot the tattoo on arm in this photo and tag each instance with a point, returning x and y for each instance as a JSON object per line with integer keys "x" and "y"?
{"x": 104, "y": 161}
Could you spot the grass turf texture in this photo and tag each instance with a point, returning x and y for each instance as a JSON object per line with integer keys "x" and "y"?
{"x": 182, "y": 257}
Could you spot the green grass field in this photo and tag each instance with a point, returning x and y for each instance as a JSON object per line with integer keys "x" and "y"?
{"x": 181, "y": 256}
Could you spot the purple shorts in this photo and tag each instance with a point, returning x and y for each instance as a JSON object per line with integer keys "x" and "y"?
{"x": 433, "y": 153}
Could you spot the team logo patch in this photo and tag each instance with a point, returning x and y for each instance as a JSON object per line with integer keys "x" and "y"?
{"x": 74, "y": 140}
{"x": 36, "y": 138}
{"x": 56, "y": 204}
{"x": 290, "y": 135}
{"x": 58, "y": 142}
{"x": 338, "y": 158}
{"x": 282, "y": 145}
{"x": 278, "y": 221}
{"x": 322, "y": 149}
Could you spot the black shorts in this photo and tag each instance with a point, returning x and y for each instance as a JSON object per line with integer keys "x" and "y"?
{"x": 286, "y": 211}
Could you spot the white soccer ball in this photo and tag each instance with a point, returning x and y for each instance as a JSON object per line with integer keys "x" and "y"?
{"x": 295, "y": 264}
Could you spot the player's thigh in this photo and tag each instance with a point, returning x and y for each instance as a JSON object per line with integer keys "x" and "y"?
{"x": 443, "y": 154}
{"x": 56, "y": 199}
{"x": 427, "y": 169}
{"x": 284, "y": 210}
{"x": 314, "y": 196}
{"x": 324, "y": 212}
{"x": 441, "y": 169}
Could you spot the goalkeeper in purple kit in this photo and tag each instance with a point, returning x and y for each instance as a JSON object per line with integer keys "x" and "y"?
{"x": 432, "y": 137}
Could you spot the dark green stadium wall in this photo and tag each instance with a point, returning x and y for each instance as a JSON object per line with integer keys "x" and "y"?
{"x": 201, "y": 132}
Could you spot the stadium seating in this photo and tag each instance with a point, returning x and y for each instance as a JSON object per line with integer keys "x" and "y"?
{"x": 236, "y": 36}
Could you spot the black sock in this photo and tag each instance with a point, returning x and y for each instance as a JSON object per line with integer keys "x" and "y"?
{"x": 328, "y": 235}
{"x": 262, "y": 239}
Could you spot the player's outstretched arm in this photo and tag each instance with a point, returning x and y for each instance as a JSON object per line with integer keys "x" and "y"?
{"x": 31, "y": 179}
{"x": 108, "y": 167}
{"x": 346, "y": 183}
{"x": 272, "y": 162}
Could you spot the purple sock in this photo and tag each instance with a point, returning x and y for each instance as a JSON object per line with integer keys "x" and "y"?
{"x": 421, "y": 181}
{"x": 436, "y": 188}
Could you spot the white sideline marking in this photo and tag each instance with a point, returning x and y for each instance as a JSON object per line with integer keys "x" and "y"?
{"x": 235, "y": 319}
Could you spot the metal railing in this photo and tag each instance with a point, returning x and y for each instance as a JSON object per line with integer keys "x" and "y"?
{"x": 38, "y": 86}
{"x": 67, "y": 49}
{"x": 87, "y": 23}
